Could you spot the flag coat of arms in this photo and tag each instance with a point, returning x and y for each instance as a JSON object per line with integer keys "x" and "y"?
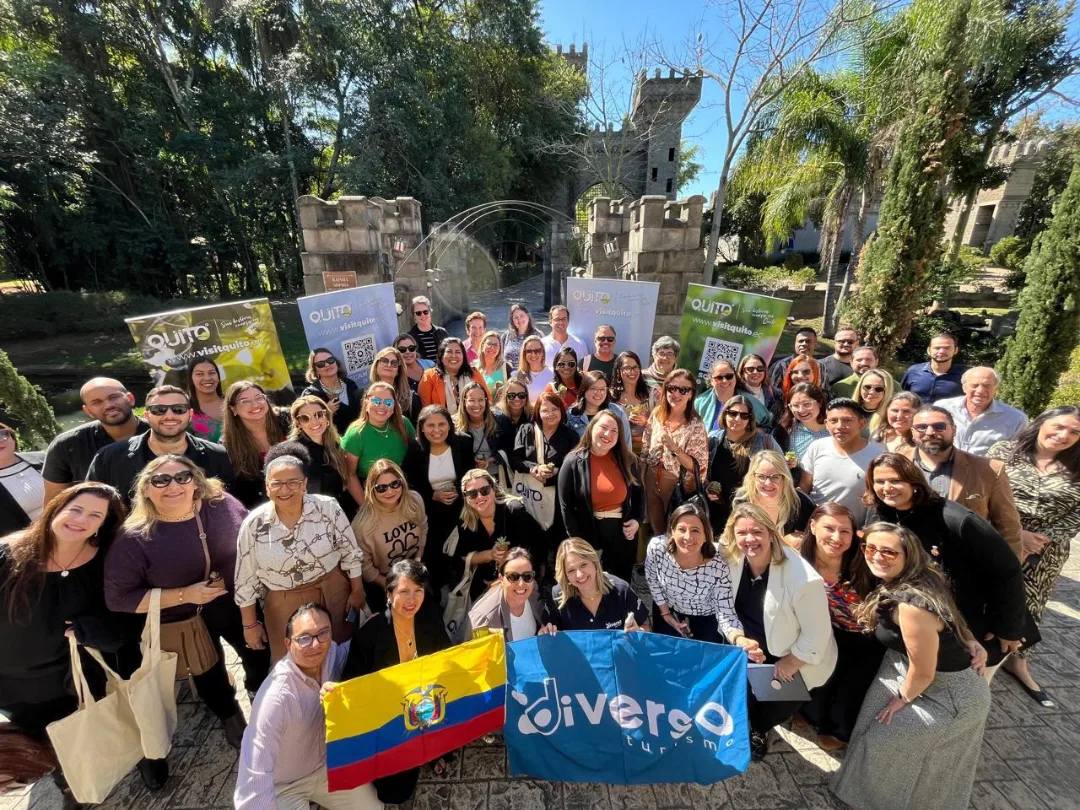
{"x": 405, "y": 715}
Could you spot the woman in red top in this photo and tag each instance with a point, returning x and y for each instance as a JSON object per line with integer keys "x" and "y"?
{"x": 567, "y": 380}
{"x": 833, "y": 549}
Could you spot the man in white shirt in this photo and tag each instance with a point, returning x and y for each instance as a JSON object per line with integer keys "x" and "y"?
{"x": 835, "y": 466}
{"x": 283, "y": 756}
{"x": 561, "y": 337}
{"x": 981, "y": 420}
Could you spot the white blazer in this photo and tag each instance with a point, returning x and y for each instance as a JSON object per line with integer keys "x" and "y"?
{"x": 796, "y": 615}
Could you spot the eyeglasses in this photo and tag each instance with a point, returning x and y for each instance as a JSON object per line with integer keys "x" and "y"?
{"x": 162, "y": 480}
{"x": 7, "y": 434}
{"x": 874, "y": 389}
{"x": 305, "y": 640}
{"x": 681, "y": 390}
{"x": 937, "y": 427}
{"x": 753, "y": 369}
{"x": 324, "y": 363}
{"x": 520, "y": 395}
{"x": 762, "y": 478}
{"x": 566, "y": 365}
{"x": 419, "y": 313}
{"x": 870, "y": 551}
{"x": 479, "y": 492}
{"x": 724, "y": 377}
{"x": 387, "y": 401}
{"x": 382, "y": 488}
{"x": 161, "y": 410}
{"x": 291, "y": 484}
{"x": 738, "y": 414}
{"x": 318, "y": 416}
{"x": 630, "y": 368}
{"x": 524, "y": 576}
{"x": 251, "y": 402}
{"x": 389, "y": 361}
{"x": 605, "y": 339}
{"x": 407, "y": 349}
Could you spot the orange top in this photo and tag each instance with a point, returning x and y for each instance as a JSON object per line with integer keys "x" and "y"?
{"x": 607, "y": 486}
{"x": 432, "y": 391}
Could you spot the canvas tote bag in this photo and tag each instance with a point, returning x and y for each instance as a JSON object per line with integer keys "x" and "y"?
{"x": 539, "y": 499}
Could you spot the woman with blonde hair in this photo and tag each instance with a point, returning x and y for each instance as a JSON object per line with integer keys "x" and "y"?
{"x": 181, "y": 537}
{"x": 327, "y": 380}
{"x": 252, "y": 426}
{"x": 768, "y": 485}
{"x": 532, "y": 366}
{"x": 873, "y": 393}
{"x": 380, "y": 432}
{"x": 475, "y": 419}
{"x": 918, "y": 739}
{"x": 392, "y": 526}
{"x": 490, "y": 521}
{"x": 490, "y": 361}
{"x": 313, "y": 428}
{"x": 389, "y": 367}
{"x": 586, "y": 598}
{"x": 780, "y": 601}
{"x": 512, "y": 409}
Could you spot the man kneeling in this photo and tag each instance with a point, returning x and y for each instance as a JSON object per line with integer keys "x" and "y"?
{"x": 283, "y": 756}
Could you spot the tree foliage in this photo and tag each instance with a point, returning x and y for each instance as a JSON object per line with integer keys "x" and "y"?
{"x": 159, "y": 147}
{"x": 26, "y": 406}
{"x": 1049, "y": 321}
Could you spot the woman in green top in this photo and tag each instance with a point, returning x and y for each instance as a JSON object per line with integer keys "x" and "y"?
{"x": 379, "y": 432}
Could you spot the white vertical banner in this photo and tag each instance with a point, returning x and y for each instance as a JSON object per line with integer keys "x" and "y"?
{"x": 628, "y": 306}
{"x": 353, "y": 323}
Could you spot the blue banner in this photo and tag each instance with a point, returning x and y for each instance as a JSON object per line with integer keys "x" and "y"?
{"x": 353, "y": 323}
{"x": 626, "y": 708}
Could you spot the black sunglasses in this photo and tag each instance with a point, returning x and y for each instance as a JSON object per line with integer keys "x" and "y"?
{"x": 162, "y": 480}
{"x": 605, "y": 339}
{"x": 524, "y": 576}
{"x": 520, "y": 395}
{"x": 407, "y": 349}
{"x": 479, "y": 492}
{"x": 161, "y": 410}
{"x": 381, "y": 488}
{"x": 325, "y": 363}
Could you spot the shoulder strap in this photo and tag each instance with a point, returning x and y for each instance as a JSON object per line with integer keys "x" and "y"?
{"x": 539, "y": 444}
{"x": 202, "y": 540}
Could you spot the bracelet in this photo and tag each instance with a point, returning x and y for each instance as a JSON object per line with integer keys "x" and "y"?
{"x": 256, "y": 623}
{"x": 181, "y": 595}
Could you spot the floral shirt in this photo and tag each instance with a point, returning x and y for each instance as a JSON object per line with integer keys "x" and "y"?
{"x": 271, "y": 557}
{"x": 690, "y": 437}
{"x": 842, "y": 602}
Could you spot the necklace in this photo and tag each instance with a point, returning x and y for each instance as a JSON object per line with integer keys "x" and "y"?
{"x": 181, "y": 519}
{"x": 333, "y": 390}
{"x": 383, "y": 431}
{"x": 66, "y": 569}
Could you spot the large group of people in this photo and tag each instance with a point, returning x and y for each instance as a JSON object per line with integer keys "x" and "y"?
{"x": 890, "y": 544}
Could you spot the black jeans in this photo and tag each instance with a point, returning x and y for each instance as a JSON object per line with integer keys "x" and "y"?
{"x": 618, "y": 552}
{"x": 702, "y": 628}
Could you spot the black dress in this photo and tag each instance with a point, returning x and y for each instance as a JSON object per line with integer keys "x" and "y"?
{"x": 374, "y": 647}
{"x": 324, "y": 479}
{"x": 513, "y": 522}
{"x": 346, "y": 413}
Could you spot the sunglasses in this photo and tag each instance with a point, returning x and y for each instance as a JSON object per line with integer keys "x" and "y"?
{"x": 754, "y": 369}
{"x": 605, "y": 340}
{"x": 304, "y": 418}
{"x": 162, "y": 480}
{"x": 874, "y": 389}
{"x": 524, "y": 576}
{"x": 325, "y": 363}
{"x": 566, "y": 365}
{"x": 871, "y": 551}
{"x": 389, "y": 361}
{"x": 382, "y": 488}
{"x": 407, "y": 349}
{"x": 534, "y": 351}
{"x": 521, "y": 395}
{"x": 421, "y": 312}
{"x": 724, "y": 377}
{"x": 937, "y": 427}
{"x": 387, "y": 401}
{"x": 682, "y": 390}
{"x": 479, "y": 492}
{"x": 738, "y": 414}
{"x": 161, "y": 410}
{"x": 305, "y": 640}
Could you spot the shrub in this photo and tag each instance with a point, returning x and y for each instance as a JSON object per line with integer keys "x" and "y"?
{"x": 775, "y": 277}
{"x": 38, "y": 315}
{"x": 794, "y": 262}
{"x": 976, "y": 348}
{"x": 1009, "y": 253}
{"x": 1068, "y": 387}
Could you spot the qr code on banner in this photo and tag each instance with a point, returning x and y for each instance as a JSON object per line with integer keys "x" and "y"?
{"x": 716, "y": 349}
{"x": 359, "y": 353}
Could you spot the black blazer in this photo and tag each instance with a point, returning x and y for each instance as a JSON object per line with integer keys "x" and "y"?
{"x": 724, "y": 469}
{"x": 575, "y": 498}
{"x": 415, "y": 465}
{"x": 12, "y": 517}
{"x": 505, "y": 432}
{"x": 512, "y": 521}
{"x": 346, "y": 414}
{"x": 374, "y": 645}
{"x": 562, "y": 441}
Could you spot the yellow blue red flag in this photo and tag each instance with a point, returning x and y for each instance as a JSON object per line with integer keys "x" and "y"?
{"x": 405, "y": 715}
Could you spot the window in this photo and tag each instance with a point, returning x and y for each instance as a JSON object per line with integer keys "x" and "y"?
{"x": 668, "y": 185}
{"x": 652, "y": 173}
{"x": 671, "y": 155}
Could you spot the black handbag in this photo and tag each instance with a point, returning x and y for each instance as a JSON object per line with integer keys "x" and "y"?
{"x": 697, "y": 497}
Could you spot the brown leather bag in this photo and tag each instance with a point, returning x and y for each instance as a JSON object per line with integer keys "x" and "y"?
{"x": 190, "y": 639}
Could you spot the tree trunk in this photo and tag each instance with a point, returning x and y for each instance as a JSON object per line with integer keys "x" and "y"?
{"x": 832, "y": 240}
{"x": 714, "y": 232}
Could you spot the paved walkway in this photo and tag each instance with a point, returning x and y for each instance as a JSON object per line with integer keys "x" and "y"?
{"x": 1030, "y": 757}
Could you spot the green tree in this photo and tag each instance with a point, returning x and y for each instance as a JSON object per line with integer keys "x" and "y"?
{"x": 688, "y": 168}
{"x": 1049, "y": 307}
{"x": 26, "y": 406}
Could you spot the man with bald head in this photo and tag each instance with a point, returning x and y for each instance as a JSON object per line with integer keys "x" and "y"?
{"x": 109, "y": 404}
{"x": 981, "y": 420}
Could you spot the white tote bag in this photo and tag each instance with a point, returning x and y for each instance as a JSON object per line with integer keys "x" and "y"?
{"x": 99, "y": 744}
{"x": 150, "y": 691}
{"x": 458, "y": 604}
{"x": 540, "y": 500}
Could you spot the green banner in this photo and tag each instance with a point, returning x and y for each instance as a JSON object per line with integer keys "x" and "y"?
{"x": 239, "y": 336}
{"x": 720, "y": 324}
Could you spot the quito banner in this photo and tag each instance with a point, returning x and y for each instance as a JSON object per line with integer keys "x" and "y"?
{"x": 719, "y": 324}
{"x": 353, "y": 323}
{"x": 629, "y": 306}
{"x": 626, "y": 708}
{"x": 408, "y": 714}
{"x": 239, "y": 336}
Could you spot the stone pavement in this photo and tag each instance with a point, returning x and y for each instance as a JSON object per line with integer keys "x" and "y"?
{"x": 497, "y": 303}
{"x": 1030, "y": 756}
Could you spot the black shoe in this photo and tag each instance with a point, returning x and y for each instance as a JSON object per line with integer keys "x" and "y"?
{"x": 154, "y": 773}
{"x": 759, "y": 746}
{"x": 234, "y": 730}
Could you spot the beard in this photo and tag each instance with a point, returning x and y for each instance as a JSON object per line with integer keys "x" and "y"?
{"x": 936, "y": 447}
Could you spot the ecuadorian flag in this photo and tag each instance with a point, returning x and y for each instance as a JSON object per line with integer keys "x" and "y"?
{"x": 405, "y": 715}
